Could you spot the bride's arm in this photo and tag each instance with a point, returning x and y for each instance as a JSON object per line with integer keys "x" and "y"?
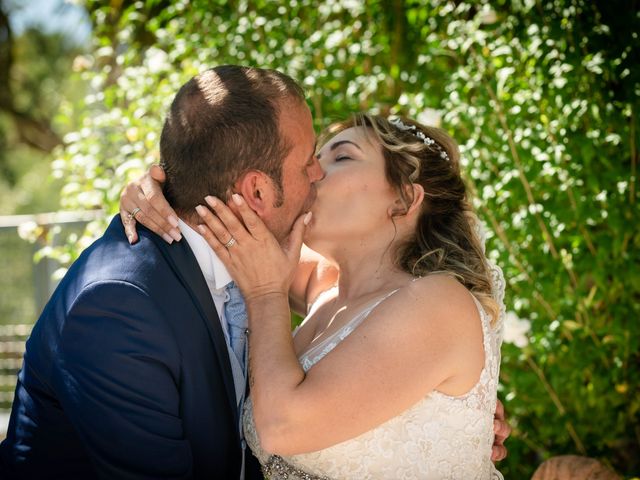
{"x": 313, "y": 275}
{"x": 426, "y": 336}
{"x": 385, "y": 366}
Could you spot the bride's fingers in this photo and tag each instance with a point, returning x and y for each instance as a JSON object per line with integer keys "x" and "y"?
{"x": 228, "y": 218}
{"x": 156, "y": 205}
{"x": 157, "y": 173}
{"x": 127, "y": 207}
{"x": 220, "y": 250}
{"x": 251, "y": 221}
{"x": 502, "y": 429}
{"x": 293, "y": 243}
{"x": 132, "y": 199}
{"x": 498, "y": 453}
{"x": 153, "y": 219}
{"x": 215, "y": 226}
{"x": 129, "y": 225}
{"x": 499, "y": 414}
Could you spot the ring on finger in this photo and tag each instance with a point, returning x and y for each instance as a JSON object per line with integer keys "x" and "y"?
{"x": 230, "y": 243}
{"x": 133, "y": 213}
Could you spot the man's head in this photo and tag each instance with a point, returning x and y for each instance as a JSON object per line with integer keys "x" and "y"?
{"x": 246, "y": 130}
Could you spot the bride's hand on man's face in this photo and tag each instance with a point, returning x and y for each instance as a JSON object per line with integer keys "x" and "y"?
{"x": 256, "y": 261}
{"x": 144, "y": 198}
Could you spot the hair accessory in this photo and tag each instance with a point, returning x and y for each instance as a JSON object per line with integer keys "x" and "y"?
{"x": 425, "y": 139}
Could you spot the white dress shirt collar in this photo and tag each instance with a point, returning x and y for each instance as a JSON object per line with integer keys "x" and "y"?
{"x": 217, "y": 278}
{"x": 214, "y": 271}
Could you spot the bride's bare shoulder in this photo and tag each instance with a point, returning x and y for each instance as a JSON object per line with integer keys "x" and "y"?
{"x": 440, "y": 288}
{"x": 437, "y": 299}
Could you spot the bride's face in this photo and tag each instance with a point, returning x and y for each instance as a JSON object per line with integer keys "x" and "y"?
{"x": 354, "y": 199}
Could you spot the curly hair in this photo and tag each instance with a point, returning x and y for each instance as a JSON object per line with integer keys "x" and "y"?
{"x": 445, "y": 240}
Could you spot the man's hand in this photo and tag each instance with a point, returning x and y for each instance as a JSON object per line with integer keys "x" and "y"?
{"x": 502, "y": 430}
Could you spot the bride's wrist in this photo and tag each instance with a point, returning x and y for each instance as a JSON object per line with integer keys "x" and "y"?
{"x": 268, "y": 308}
{"x": 266, "y": 297}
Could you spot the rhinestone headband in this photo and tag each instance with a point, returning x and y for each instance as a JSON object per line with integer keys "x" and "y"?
{"x": 425, "y": 139}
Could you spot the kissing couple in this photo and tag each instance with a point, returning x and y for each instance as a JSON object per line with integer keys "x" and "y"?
{"x": 169, "y": 355}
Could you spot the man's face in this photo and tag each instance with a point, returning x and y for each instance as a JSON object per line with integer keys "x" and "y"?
{"x": 300, "y": 169}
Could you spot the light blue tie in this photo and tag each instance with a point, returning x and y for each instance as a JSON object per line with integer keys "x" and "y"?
{"x": 235, "y": 312}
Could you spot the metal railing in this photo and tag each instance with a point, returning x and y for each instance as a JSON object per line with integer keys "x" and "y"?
{"x": 12, "y": 341}
{"x": 25, "y": 286}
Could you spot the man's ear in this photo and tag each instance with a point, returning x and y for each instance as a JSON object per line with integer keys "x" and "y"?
{"x": 258, "y": 191}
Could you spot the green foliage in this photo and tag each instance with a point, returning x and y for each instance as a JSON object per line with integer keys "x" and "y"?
{"x": 40, "y": 87}
{"x": 543, "y": 99}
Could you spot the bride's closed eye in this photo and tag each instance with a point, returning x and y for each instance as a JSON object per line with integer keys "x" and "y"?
{"x": 340, "y": 158}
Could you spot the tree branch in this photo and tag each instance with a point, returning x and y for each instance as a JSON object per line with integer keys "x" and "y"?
{"x": 36, "y": 133}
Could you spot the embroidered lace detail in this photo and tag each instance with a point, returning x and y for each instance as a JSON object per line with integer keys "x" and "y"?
{"x": 498, "y": 283}
{"x": 440, "y": 437}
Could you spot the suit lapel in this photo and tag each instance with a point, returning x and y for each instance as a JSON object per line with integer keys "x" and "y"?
{"x": 184, "y": 263}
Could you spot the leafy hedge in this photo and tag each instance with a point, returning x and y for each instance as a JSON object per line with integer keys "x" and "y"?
{"x": 542, "y": 97}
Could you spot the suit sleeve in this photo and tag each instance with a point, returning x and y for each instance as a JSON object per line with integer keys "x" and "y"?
{"x": 118, "y": 377}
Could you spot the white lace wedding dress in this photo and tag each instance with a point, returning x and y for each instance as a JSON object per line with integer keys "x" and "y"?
{"x": 440, "y": 437}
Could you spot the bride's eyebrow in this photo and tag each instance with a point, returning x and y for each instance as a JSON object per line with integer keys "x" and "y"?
{"x": 341, "y": 142}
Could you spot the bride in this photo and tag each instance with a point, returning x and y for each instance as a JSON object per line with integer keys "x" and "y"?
{"x": 393, "y": 373}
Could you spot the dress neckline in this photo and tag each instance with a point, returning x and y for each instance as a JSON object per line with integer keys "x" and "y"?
{"x": 357, "y": 318}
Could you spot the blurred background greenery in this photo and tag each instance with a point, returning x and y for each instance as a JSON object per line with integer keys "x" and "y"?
{"x": 542, "y": 96}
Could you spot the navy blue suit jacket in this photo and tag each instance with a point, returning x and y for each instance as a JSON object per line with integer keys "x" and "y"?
{"x": 126, "y": 374}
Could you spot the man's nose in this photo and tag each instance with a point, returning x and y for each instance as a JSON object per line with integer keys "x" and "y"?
{"x": 317, "y": 173}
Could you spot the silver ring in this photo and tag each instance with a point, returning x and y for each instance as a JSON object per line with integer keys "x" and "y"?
{"x": 230, "y": 243}
{"x": 132, "y": 214}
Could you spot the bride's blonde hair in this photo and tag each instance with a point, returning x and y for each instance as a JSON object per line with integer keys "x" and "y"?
{"x": 445, "y": 239}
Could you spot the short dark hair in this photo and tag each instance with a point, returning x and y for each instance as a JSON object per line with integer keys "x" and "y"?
{"x": 223, "y": 123}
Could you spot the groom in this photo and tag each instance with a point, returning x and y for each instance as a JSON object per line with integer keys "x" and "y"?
{"x": 135, "y": 369}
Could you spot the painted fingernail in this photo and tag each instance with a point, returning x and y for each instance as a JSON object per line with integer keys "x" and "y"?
{"x": 201, "y": 210}
{"x": 175, "y": 234}
{"x": 307, "y": 218}
{"x": 201, "y": 228}
{"x": 167, "y": 238}
{"x": 130, "y": 237}
{"x": 212, "y": 201}
{"x": 237, "y": 199}
{"x": 173, "y": 221}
